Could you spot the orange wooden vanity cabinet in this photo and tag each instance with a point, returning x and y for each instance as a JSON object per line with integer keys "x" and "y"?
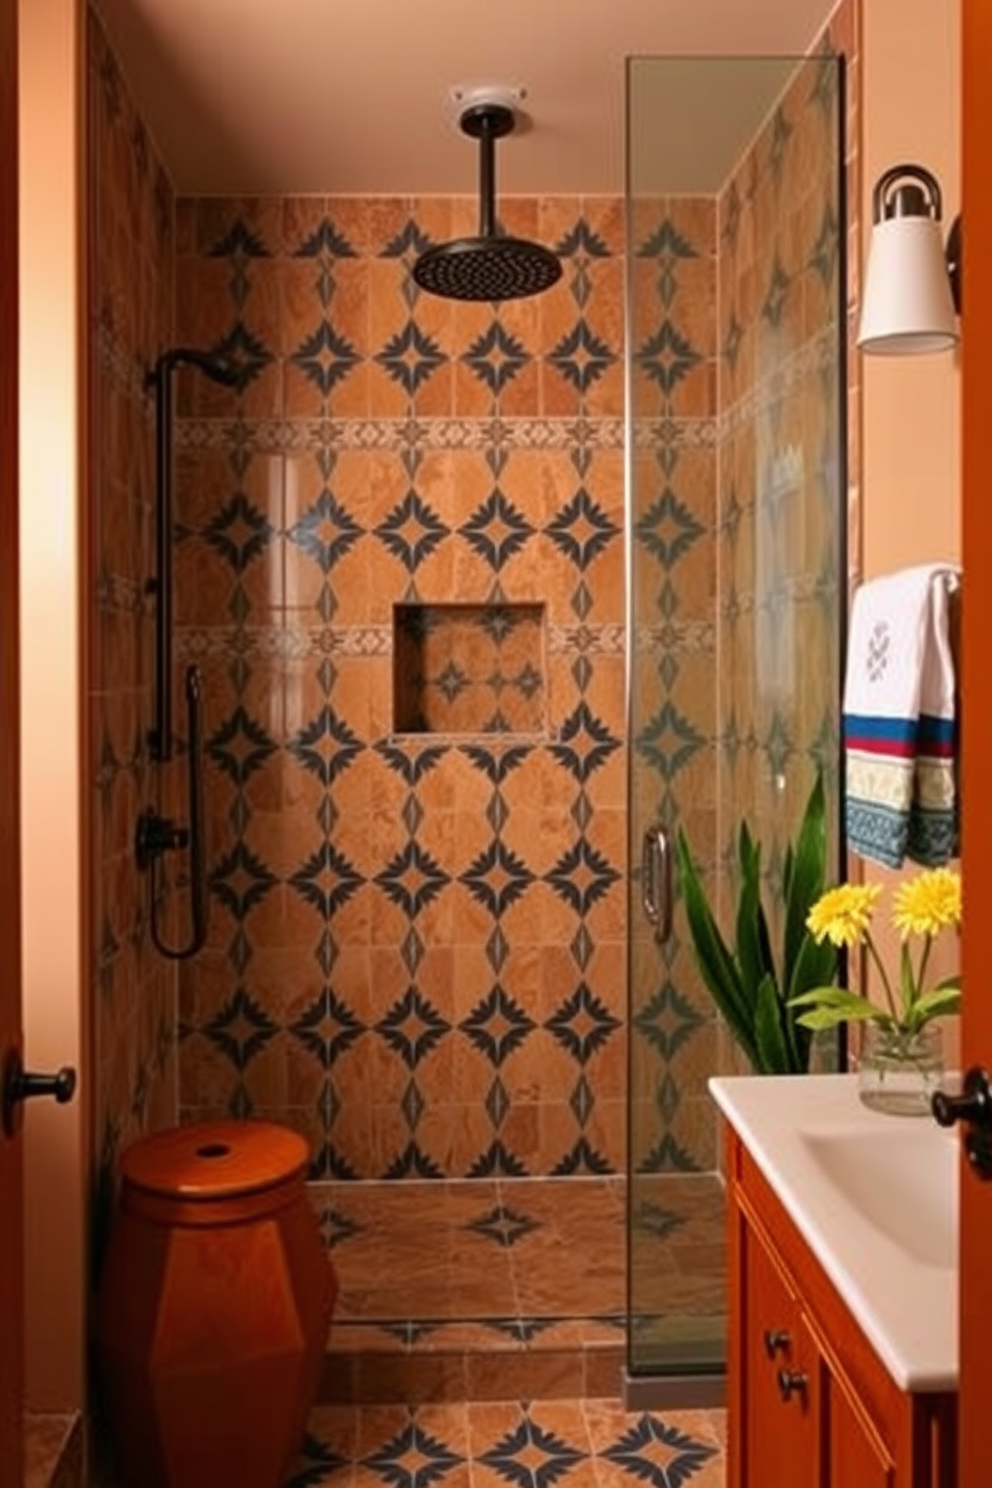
{"x": 810, "y": 1403}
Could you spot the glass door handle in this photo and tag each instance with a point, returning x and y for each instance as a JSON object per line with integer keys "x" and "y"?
{"x": 656, "y": 881}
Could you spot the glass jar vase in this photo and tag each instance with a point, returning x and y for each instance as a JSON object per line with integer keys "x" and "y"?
{"x": 899, "y": 1072}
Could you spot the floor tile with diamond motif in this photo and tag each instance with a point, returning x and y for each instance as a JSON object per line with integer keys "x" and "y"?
{"x": 510, "y": 1445}
{"x": 508, "y": 1289}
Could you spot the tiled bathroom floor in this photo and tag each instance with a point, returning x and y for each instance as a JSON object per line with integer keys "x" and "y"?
{"x": 479, "y": 1336}
{"x": 515, "y": 1289}
{"x": 578, "y": 1443}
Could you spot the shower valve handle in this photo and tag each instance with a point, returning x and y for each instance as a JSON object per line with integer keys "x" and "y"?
{"x": 156, "y": 835}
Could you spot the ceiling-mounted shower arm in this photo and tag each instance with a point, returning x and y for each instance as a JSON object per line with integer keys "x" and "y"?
{"x": 487, "y": 184}
{"x": 487, "y": 122}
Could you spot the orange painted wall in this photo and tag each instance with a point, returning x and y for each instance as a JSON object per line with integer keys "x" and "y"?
{"x": 55, "y": 1147}
{"x": 912, "y": 453}
{"x": 911, "y": 493}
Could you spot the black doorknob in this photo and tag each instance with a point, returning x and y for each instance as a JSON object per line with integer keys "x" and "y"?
{"x": 973, "y": 1105}
{"x": 20, "y": 1085}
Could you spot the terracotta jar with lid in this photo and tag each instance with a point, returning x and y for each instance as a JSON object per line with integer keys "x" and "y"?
{"x": 214, "y": 1307}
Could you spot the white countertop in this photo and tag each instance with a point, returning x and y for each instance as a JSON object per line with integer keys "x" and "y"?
{"x": 876, "y": 1199}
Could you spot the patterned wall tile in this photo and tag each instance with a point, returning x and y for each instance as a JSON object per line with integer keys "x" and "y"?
{"x": 422, "y": 454}
{"x": 781, "y": 464}
{"x": 730, "y": 556}
{"x": 440, "y": 919}
{"x": 672, "y": 684}
{"x": 129, "y": 307}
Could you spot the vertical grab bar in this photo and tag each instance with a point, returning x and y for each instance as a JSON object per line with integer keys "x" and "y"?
{"x": 157, "y": 835}
{"x": 160, "y": 734}
{"x": 656, "y": 881}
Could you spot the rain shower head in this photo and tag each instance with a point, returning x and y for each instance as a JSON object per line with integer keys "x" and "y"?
{"x": 492, "y": 266}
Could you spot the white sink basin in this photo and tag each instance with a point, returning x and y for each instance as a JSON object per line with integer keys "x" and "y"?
{"x": 903, "y": 1179}
{"x": 875, "y": 1197}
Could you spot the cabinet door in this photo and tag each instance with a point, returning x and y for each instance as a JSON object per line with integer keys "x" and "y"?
{"x": 779, "y": 1368}
{"x": 858, "y": 1457}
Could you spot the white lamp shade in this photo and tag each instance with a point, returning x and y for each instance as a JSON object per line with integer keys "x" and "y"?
{"x": 907, "y": 305}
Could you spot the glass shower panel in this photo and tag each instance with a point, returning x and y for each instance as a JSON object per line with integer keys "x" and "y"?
{"x": 737, "y": 563}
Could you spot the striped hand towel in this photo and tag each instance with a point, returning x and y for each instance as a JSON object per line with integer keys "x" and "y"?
{"x": 900, "y": 724}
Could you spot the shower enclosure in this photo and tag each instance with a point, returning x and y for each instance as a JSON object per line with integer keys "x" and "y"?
{"x": 736, "y": 573}
{"x": 399, "y": 562}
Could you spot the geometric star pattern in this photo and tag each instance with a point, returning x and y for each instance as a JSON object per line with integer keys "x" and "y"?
{"x": 439, "y": 911}
{"x": 525, "y": 1444}
{"x": 382, "y": 449}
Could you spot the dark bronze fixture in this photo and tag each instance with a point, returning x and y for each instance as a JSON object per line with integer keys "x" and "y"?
{"x": 791, "y": 1383}
{"x": 20, "y": 1085}
{"x": 155, "y": 834}
{"x": 160, "y": 587}
{"x": 491, "y": 266}
{"x": 973, "y": 1107}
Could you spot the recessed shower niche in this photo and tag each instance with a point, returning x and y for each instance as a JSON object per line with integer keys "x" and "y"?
{"x": 469, "y": 669}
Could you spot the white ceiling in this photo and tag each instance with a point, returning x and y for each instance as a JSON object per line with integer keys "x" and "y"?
{"x": 352, "y": 96}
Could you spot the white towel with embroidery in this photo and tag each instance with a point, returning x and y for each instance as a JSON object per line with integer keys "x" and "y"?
{"x": 900, "y": 718}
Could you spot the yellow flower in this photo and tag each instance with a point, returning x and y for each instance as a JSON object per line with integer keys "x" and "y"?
{"x": 843, "y": 915}
{"x": 928, "y": 903}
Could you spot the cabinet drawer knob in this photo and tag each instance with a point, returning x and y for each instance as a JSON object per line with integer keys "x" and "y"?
{"x": 791, "y": 1383}
{"x": 775, "y": 1339}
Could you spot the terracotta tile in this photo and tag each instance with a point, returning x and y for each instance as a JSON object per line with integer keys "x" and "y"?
{"x": 604, "y": 216}
{"x": 386, "y": 216}
{"x": 521, "y": 319}
{"x": 337, "y": 1389}
{"x": 535, "y": 1377}
{"x": 205, "y": 313}
{"x": 559, "y": 397}
{"x": 469, "y": 1337}
{"x": 350, "y": 217}
{"x": 604, "y": 1372}
{"x": 185, "y": 226}
{"x": 217, "y": 216}
{"x": 302, "y": 217}
{"x": 470, "y": 395}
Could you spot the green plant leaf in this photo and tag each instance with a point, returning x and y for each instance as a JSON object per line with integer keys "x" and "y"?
{"x": 938, "y": 1003}
{"x": 807, "y": 877}
{"x": 949, "y": 981}
{"x": 836, "y": 997}
{"x": 907, "y": 980}
{"x": 828, "y": 1017}
{"x": 769, "y": 1035}
{"x": 716, "y": 964}
{"x": 753, "y": 948}
{"x": 815, "y": 966}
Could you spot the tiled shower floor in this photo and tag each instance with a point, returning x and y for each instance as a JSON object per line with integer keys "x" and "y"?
{"x": 514, "y": 1289}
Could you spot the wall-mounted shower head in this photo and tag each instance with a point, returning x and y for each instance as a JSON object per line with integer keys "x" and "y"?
{"x": 492, "y": 266}
{"x": 214, "y": 367}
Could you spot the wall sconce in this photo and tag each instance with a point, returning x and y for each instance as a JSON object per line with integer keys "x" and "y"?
{"x": 912, "y": 292}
